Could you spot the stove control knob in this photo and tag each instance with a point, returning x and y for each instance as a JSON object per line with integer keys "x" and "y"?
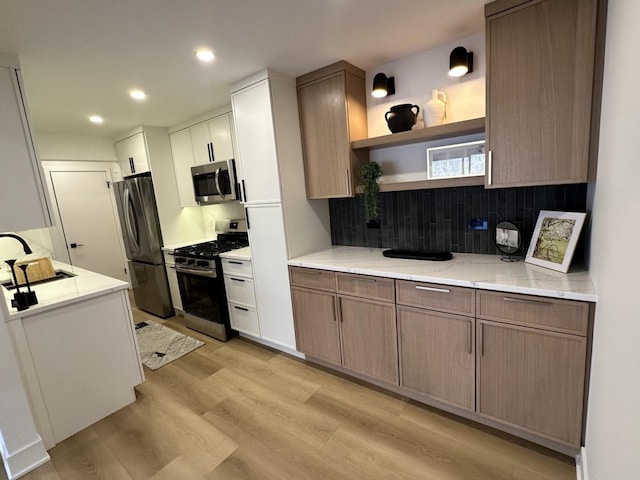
{"x": 202, "y": 263}
{"x": 181, "y": 260}
{"x": 191, "y": 262}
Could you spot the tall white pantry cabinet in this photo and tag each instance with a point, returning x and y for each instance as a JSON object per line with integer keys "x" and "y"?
{"x": 282, "y": 223}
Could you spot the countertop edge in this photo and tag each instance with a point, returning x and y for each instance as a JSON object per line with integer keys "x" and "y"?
{"x": 478, "y": 284}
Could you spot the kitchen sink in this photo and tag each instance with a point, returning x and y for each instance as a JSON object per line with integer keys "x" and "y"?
{"x": 60, "y": 275}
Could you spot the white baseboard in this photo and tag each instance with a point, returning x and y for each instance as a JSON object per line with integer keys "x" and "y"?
{"x": 26, "y": 459}
{"x": 273, "y": 344}
{"x": 582, "y": 473}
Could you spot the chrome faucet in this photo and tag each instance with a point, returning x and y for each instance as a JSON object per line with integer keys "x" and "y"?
{"x": 27, "y": 249}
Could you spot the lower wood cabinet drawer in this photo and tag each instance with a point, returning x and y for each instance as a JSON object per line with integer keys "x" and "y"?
{"x": 312, "y": 278}
{"x": 240, "y": 290}
{"x": 366, "y": 286}
{"x": 232, "y": 266}
{"x": 433, "y": 296}
{"x": 244, "y": 319}
{"x": 567, "y": 316}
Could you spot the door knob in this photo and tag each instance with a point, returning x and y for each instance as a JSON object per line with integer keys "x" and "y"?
{"x": 76, "y": 245}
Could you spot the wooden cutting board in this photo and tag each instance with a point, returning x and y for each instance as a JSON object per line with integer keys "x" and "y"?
{"x": 38, "y": 269}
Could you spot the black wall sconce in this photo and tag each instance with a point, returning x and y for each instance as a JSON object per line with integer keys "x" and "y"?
{"x": 460, "y": 62}
{"x": 383, "y": 86}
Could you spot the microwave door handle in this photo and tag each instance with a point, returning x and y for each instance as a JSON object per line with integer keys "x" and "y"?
{"x": 217, "y": 180}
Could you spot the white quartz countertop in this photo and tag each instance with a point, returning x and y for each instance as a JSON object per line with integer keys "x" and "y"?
{"x": 171, "y": 248}
{"x": 485, "y": 272}
{"x": 239, "y": 254}
{"x": 57, "y": 293}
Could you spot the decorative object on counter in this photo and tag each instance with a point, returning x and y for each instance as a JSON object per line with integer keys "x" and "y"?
{"x": 32, "y": 299}
{"x": 435, "y": 109}
{"x": 418, "y": 255}
{"x": 401, "y": 118}
{"x": 460, "y": 62}
{"x": 508, "y": 241}
{"x": 368, "y": 174}
{"x": 383, "y": 86}
{"x": 160, "y": 345}
{"x": 20, "y": 300}
{"x": 554, "y": 239}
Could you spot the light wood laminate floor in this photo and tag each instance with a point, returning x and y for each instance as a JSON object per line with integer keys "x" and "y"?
{"x": 237, "y": 410}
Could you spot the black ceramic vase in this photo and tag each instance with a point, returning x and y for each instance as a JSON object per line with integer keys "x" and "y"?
{"x": 401, "y": 118}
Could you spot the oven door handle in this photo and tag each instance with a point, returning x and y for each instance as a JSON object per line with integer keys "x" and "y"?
{"x": 200, "y": 273}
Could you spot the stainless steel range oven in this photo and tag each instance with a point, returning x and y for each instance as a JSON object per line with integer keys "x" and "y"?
{"x": 201, "y": 283}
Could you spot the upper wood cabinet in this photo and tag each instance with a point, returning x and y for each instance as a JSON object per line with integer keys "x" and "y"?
{"x": 542, "y": 99}
{"x": 25, "y": 201}
{"x": 333, "y": 113}
{"x": 132, "y": 154}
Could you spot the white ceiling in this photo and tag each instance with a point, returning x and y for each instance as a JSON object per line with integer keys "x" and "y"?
{"x": 80, "y": 57}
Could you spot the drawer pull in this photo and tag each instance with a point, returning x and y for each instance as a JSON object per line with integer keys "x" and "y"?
{"x": 365, "y": 279}
{"x": 241, "y": 308}
{"x": 532, "y": 302}
{"x": 433, "y": 289}
{"x": 312, "y": 272}
{"x": 236, "y": 263}
{"x": 237, "y": 279}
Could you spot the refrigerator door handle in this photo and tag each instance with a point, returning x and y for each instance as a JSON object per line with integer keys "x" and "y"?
{"x": 133, "y": 237}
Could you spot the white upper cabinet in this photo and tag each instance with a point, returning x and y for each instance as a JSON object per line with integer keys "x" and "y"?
{"x": 183, "y": 160}
{"x": 132, "y": 155}
{"x": 256, "y": 143}
{"x": 198, "y": 144}
{"x": 25, "y": 202}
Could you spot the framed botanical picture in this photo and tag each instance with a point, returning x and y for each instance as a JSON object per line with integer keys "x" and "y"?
{"x": 554, "y": 239}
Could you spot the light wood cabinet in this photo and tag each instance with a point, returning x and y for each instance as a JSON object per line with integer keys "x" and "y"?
{"x": 541, "y": 59}
{"x": 132, "y": 155}
{"x": 532, "y": 379}
{"x": 437, "y": 355}
{"x": 514, "y": 362}
{"x": 23, "y": 178}
{"x": 333, "y": 113}
{"x": 317, "y": 332}
{"x": 369, "y": 337}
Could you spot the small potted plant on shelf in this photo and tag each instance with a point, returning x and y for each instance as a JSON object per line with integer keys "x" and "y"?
{"x": 368, "y": 175}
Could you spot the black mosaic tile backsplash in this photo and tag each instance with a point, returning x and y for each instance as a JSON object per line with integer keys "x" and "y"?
{"x": 437, "y": 219}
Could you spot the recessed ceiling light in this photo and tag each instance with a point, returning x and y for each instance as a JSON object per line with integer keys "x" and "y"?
{"x": 205, "y": 55}
{"x": 137, "y": 94}
{"x": 96, "y": 119}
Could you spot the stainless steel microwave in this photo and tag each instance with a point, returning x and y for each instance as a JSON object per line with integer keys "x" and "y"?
{"x": 215, "y": 182}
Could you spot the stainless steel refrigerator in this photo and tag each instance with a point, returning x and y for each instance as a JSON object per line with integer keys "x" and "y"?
{"x": 143, "y": 243}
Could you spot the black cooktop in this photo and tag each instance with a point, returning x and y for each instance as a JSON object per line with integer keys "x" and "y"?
{"x": 208, "y": 250}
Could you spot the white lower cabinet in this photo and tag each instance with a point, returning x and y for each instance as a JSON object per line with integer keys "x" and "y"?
{"x": 241, "y": 297}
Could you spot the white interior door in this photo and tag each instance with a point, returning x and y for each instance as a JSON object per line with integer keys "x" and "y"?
{"x": 89, "y": 221}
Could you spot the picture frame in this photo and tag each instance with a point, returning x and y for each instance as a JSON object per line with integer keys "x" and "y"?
{"x": 554, "y": 239}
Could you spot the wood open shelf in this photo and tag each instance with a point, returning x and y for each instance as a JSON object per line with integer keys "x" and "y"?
{"x": 457, "y": 129}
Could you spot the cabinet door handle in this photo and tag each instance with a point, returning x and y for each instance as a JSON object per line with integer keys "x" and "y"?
{"x": 172, "y": 268}
{"x": 209, "y": 152}
{"x": 133, "y": 169}
{"x": 489, "y": 167}
{"x": 246, "y": 214}
{"x": 241, "y": 308}
{"x": 481, "y": 340}
{"x": 340, "y": 309}
{"x": 235, "y": 263}
{"x": 433, "y": 289}
{"x": 213, "y": 155}
{"x": 531, "y": 302}
{"x": 470, "y": 335}
{"x": 335, "y": 311}
{"x": 348, "y": 181}
{"x": 237, "y": 279}
{"x": 244, "y": 191}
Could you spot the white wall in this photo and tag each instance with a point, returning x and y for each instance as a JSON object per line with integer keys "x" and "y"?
{"x": 613, "y": 419}
{"x": 52, "y": 146}
{"x": 415, "y": 77}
